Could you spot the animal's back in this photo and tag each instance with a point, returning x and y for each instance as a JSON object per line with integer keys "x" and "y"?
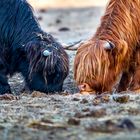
{"x": 16, "y": 19}
{"x": 17, "y": 24}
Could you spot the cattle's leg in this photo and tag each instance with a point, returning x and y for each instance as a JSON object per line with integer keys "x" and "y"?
{"x": 5, "y": 91}
{"x": 125, "y": 81}
{"x": 127, "y": 76}
{"x": 4, "y": 86}
{"x": 135, "y": 84}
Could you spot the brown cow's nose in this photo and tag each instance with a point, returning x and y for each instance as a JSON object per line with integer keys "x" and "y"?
{"x": 85, "y": 88}
{"x": 82, "y": 87}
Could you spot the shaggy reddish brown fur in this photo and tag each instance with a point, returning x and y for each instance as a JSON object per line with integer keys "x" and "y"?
{"x": 100, "y": 68}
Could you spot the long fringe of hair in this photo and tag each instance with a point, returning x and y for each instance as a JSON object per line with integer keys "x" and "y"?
{"x": 57, "y": 60}
{"x": 94, "y": 68}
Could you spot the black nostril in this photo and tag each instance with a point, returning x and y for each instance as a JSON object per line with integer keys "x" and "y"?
{"x": 84, "y": 86}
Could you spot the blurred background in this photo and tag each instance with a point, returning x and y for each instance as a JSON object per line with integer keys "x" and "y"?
{"x": 69, "y": 20}
{"x": 66, "y": 3}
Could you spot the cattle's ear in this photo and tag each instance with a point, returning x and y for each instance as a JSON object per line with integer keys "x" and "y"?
{"x": 31, "y": 47}
{"x": 37, "y": 48}
{"x": 119, "y": 48}
{"x": 120, "y": 51}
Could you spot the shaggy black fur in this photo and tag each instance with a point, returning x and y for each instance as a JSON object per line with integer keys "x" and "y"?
{"x": 22, "y": 43}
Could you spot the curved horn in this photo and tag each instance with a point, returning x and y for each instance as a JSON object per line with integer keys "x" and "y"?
{"x": 46, "y": 53}
{"x": 72, "y": 46}
{"x": 109, "y": 45}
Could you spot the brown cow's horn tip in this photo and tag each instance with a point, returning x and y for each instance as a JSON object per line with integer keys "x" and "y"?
{"x": 109, "y": 45}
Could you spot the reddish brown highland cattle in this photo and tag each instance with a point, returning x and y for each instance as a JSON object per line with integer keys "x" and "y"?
{"x": 112, "y": 52}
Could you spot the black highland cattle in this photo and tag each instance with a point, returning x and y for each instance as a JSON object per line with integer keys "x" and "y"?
{"x": 27, "y": 49}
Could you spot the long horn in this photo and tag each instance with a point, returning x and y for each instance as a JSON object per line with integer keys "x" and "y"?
{"x": 72, "y": 46}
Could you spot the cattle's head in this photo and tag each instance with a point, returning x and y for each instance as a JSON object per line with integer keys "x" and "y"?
{"x": 48, "y": 65}
{"x": 98, "y": 64}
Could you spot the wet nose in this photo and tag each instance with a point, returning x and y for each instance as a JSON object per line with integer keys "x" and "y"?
{"x": 85, "y": 88}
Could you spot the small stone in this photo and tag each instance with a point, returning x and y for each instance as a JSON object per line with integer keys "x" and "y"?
{"x": 127, "y": 123}
{"x": 84, "y": 101}
{"x": 46, "y": 121}
{"x": 86, "y": 110}
{"x": 105, "y": 98}
{"x": 75, "y": 99}
{"x": 74, "y": 121}
{"x": 97, "y": 113}
{"x": 42, "y": 10}
{"x": 58, "y": 21}
{"x": 63, "y": 29}
{"x": 121, "y": 99}
{"x": 79, "y": 115}
{"x": 96, "y": 102}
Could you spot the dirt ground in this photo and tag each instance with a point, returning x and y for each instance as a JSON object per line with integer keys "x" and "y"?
{"x": 69, "y": 115}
